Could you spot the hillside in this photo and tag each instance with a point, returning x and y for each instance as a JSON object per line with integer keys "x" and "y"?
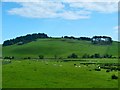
{"x": 60, "y": 47}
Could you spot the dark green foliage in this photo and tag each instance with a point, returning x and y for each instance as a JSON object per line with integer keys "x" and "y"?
{"x": 9, "y": 57}
{"x": 29, "y": 57}
{"x": 114, "y": 76}
{"x": 69, "y": 37}
{"x": 80, "y": 38}
{"x": 107, "y": 56}
{"x": 97, "y": 55}
{"x": 85, "y": 56}
{"x": 102, "y": 40}
{"x": 73, "y": 55}
{"x": 85, "y": 38}
{"x": 97, "y": 69}
{"x": 25, "y": 39}
{"x": 41, "y": 57}
{"x": 108, "y": 70}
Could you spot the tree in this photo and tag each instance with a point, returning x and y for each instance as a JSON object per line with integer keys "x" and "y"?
{"x": 41, "y": 57}
{"x": 85, "y": 56}
{"x": 96, "y": 55}
{"x": 25, "y": 39}
{"x": 104, "y": 40}
{"x": 73, "y": 55}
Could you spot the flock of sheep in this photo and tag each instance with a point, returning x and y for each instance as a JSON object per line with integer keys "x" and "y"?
{"x": 46, "y": 63}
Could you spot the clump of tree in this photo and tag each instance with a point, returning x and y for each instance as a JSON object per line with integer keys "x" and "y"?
{"x": 73, "y": 55}
{"x": 86, "y": 56}
{"x": 97, "y": 55}
{"x": 114, "y": 76}
{"x": 108, "y": 70}
{"x": 9, "y": 57}
{"x": 27, "y": 58}
{"x": 97, "y": 69}
{"x": 41, "y": 57}
{"x": 107, "y": 56}
{"x": 25, "y": 39}
{"x": 71, "y": 37}
{"x": 79, "y": 38}
{"x": 102, "y": 40}
{"x": 85, "y": 38}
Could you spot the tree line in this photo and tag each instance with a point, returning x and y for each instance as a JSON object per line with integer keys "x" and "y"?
{"x": 79, "y": 38}
{"x": 25, "y": 39}
{"x": 101, "y": 40}
{"x": 32, "y": 37}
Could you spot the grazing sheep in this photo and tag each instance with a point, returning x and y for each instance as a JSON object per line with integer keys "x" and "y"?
{"x": 18, "y": 61}
{"x": 60, "y": 65}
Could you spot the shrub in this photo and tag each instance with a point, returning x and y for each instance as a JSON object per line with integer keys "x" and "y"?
{"x": 73, "y": 55}
{"x": 97, "y": 69}
{"x": 114, "y": 76}
{"x": 113, "y": 68}
{"x": 41, "y": 57}
{"x": 108, "y": 70}
{"x": 29, "y": 57}
{"x": 85, "y": 56}
{"x": 96, "y": 55}
{"x": 8, "y": 57}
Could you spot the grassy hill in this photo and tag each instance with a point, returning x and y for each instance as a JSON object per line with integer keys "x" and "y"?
{"x": 59, "y": 47}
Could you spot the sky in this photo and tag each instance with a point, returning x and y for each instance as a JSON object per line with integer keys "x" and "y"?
{"x": 59, "y": 18}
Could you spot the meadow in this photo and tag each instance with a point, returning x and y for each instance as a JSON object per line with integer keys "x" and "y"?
{"x": 59, "y": 47}
{"x": 55, "y": 70}
{"x": 57, "y": 74}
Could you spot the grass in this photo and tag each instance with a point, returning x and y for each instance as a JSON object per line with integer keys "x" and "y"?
{"x": 52, "y": 74}
{"x": 59, "y": 47}
{"x": 48, "y": 73}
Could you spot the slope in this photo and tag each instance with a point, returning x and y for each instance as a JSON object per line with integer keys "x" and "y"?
{"x": 59, "y": 47}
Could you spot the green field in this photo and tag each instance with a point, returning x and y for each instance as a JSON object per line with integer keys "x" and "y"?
{"x": 52, "y": 74}
{"x": 59, "y": 47}
{"x": 58, "y": 73}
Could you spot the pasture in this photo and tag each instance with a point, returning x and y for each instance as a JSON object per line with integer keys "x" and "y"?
{"x": 58, "y": 74}
{"x": 59, "y": 47}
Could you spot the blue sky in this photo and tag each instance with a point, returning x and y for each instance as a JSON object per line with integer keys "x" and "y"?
{"x": 59, "y": 19}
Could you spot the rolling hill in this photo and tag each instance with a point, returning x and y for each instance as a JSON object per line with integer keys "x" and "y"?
{"x": 50, "y": 47}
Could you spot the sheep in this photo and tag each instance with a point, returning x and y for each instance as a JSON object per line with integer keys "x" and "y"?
{"x": 60, "y": 65}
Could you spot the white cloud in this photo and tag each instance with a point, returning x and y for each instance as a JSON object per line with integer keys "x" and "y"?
{"x": 48, "y": 10}
{"x": 57, "y": 8}
{"x": 102, "y": 7}
{"x": 75, "y": 15}
{"x": 38, "y": 10}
